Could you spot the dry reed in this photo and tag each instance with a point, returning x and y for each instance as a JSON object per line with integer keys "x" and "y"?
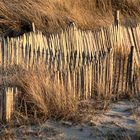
{"x": 43, "y": 96}
{"x": 51, "y": 15}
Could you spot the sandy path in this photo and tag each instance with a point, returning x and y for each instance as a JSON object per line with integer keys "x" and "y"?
{"x": 118, "y": 123}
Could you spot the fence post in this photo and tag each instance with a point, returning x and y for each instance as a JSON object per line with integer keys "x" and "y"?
{"x": 7, "y": 103}
{"x": 131, "y": 68}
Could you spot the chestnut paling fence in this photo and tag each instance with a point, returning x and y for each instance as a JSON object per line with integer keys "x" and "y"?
{"x": 102, "y": 62}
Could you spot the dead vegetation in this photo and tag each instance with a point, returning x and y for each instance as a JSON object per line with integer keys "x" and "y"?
{"x": 41, "y": 97}
{"x": 49, "y": 16}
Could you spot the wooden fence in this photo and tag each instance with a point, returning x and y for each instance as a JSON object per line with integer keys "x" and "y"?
{"x": 101, "y": 62}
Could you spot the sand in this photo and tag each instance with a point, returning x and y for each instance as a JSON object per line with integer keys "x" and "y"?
{"x": 119, "y": 122}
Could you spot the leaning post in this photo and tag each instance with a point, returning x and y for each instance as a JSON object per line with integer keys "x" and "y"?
{"x": 7, "y": 103}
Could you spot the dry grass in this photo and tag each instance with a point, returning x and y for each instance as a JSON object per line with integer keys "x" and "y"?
{"x": 40, "y": 95}
{"x": 51, "y": 15}
{"x": 42, "y": 98}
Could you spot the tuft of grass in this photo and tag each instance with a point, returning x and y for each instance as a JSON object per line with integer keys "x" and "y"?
{"x": 42, "y": 96}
